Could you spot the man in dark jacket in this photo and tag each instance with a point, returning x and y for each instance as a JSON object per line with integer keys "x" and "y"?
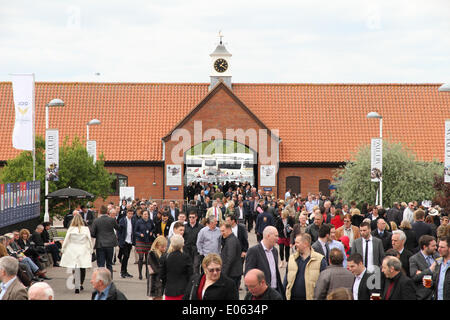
{"x": 105, "y": 239}
{"x": 394, "y": 214}
{"x": 191, "y": 230}
{"x": 440, "y": 271}
{"x": 51, "y": 248}
{"x": 263, "y": 220}
{"x": 419, "y": 226}
{"x": 126, "y": 240}
{"x": 258, "y": 288}
{"x": 313, "y": 229}
{"x": 382, "y": 234}
{"x": 105, "y": 289}
{"x": 397, "y": 285}
{"x": 230, "y": 252}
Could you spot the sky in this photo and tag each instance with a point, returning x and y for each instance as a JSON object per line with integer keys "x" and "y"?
{"x": 283, "y": 41}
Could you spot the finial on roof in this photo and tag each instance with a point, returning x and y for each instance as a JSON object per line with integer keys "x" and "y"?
{"x": 220, "y": 36}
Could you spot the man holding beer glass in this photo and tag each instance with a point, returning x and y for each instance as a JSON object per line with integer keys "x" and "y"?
{"x": 439, "y": 276}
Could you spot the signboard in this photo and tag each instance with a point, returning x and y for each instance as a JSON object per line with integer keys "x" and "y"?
{"x": 19, "y": 202}
{"x": 52, "y": 155}
{"x": 376, "y": 163}
{"x": 268, "y": 189}
{"x": 173, "y": 175}
{"x": 267, "y": 175}
{"x": 173, "y": 188}
{"x": 447, "y": 152}
{"x": 91, "y": 146}
{"x": 126, "y": 193}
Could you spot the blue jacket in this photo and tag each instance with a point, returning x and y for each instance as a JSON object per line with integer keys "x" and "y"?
{"x": 145, "y": 228}
{"x": 263, "y": 220}
{"x": 122, "y": 233}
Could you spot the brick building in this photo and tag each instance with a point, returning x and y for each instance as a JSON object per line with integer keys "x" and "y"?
{"x": 314, "y": 128}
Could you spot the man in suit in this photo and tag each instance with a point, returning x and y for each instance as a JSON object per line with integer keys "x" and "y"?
{"x": 394, "y": 214}
{"x": 313, "y": 229}
{"x": 419, "y": 226}
{"x": 397, "y": 285}
{"x": 382, "y": 234}
{"x": 240, "y": 232}
{"x": 87, "y": 215}
{"x": 105, "y": 289}
{"x": 248, "y": 212}
{"x": 230, "y": 252}
{"x": 420, "y": 263}
{"x": 215, "y": 211}
{"x": 239, "y": 212}
{"x": 321, "y": 245}
{"x": 105, "y": 239}
{"x": 369, "y": 247}
{"x": 11, "y": 288}
{"x": 173, "y": 211}
{"x": 362, "y": 281}
{"x": 126, "y": 240}
{"x": 264, "y": 256}
{"x": 36, "y": 237}
{"x": 398, "y": 244}
{"x": 263, "y": 220}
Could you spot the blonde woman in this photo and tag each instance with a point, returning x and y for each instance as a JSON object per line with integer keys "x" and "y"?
{"x": 154, "y": 284}
{"x": 77, "y": 250}
{"x": 176, "y": 269}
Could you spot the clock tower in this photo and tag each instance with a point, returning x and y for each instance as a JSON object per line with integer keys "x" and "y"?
{"x": 220, "y": 65}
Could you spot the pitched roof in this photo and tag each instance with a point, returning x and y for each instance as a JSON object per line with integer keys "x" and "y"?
{"x": 316, "y": 122}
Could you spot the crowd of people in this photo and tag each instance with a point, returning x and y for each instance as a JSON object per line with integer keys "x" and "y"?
{"x": 199, "y": 250}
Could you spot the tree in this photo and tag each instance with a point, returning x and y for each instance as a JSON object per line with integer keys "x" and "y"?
{"x": 77, "y": 170}
{"x": 442, "y": 197}
{"x": 404, "y": 177}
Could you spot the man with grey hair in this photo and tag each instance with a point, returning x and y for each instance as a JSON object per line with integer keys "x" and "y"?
{"x": 41, "y": 291}
{"x": 208, "y": 238}
{"x": 105, "y": 289}
{"x": 45, "y": 247}
{"x": 397, "y": 285}
{"x": 215, "y": 211}
{"x": 398, "y": 244}
{"x": 11, "y": 288}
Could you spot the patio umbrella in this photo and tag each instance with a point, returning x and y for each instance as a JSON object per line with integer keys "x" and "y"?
{"x": 69, "y": 193}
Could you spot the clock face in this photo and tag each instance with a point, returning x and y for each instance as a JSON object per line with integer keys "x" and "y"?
{"x": 221, "y": 65}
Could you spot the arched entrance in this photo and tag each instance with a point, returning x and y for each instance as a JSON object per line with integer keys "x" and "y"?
{"x": 220, "y": 161}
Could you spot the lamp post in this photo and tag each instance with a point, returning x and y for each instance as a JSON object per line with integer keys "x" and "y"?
{"x": 93, "y": 122}
{"x": 376, "y": 115}
{"x": 53, "y": 103}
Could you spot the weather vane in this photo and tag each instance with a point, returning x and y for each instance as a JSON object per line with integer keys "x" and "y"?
{"x": 220, "y": 36}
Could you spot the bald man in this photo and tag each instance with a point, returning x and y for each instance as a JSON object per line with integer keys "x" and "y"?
{"x": 258, "y": 288}
{"x": 264, "y": 256}
{"x": 41, "y": 291}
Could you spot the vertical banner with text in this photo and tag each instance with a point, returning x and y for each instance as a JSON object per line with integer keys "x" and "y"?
{"x": 376, "y": 168}
{"x": 23, "y": 93}
{"x": 91, "y": 146}
{"x": 52, "y": 155}
{"x": 447, "y": 152}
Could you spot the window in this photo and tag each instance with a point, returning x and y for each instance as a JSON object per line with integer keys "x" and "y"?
{"x": 323, "y": 187}
{"x": 120, "y": 181}
{"x": 293, "y": 183}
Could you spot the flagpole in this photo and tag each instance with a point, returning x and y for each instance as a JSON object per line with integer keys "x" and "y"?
{"x": 34, "y": 132}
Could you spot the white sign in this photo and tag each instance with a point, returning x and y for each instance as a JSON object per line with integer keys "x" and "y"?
{"x": 52, "y": 155}
{"x": 447, "y": 152}
{"x": 91, "y": 147}
{"x": 126, "y": 193}
{"x": 173, "y": 174}
{"x": 267, "y": 176}
{"x": 23, "y": 92}
{"x": 376, "y": 163}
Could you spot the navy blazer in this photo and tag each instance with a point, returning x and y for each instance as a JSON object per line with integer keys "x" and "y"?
{"x": 122, "y": 233}
{"x": 145, "y": 228}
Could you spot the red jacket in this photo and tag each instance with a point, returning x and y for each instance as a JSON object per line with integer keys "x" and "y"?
{"x": 337, "y": 222}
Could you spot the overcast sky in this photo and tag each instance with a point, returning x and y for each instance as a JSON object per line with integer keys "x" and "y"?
{"x": 345, "y": 41}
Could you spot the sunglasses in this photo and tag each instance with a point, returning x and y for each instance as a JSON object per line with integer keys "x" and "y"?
{"x": 214, "y": 270}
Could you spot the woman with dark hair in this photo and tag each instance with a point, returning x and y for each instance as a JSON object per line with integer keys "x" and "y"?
{"x": 143, "y": 231}
{"x": 284, "y": 224}
{"x": 430, "y": 220}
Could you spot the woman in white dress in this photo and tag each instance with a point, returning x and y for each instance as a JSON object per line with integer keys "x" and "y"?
{"x": 77, "y": 250}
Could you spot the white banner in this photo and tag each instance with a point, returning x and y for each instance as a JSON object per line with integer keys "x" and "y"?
{"x": 52, "y": 154}
{"x": 267, "y": 176}
{"x": 447, "y": 152}
{"x": 91, "y": 146}
{"x": 126, "y": 193}
{"x": 376, "y": 163}
{"x": 173, "y": 174}
{"x": 23, "y": 92}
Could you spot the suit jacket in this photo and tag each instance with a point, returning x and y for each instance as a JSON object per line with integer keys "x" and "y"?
{"x": 411, "y": 240}
{"x": 36, "y": 237}
{"x": 237, "y": 213}
{"x": 90, "y": 217}
{"x": 395, "y": 215}
{"x": 317, "y": 246}
{"x": 386, "y": 239}
{"x": 16, "y": 291}
{"x": 103, "y": 231}
{"x": 363, "y": 291}
{"x": 210, "y": 212}
{"x": 231, "y": 256}
{"x": 177, "y": 212}
{"x": 122, "y": 233}
{"x": 403, "y": 288}
{"x": 256, "y": 259}
{"x": 242, "y": 237}
{"x": 247, "y": 208}
{"x": 176, "y": 269}
{"x": 404, "y": 258}
{"x": 418, "y": 263}
{"x": 421, "y": 228}
{"x": 377, "y": 248}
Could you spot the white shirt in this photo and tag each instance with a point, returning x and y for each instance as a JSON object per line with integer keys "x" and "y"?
{"x": 129, "y": 231}
{"x": 241, "y": 213}
{"x": 356, "y": 284}
{"x": 235, "y": 230}
{"x": 272, "y": 266}
{"x": 370, "y": 253}
{"x": 4, "y": 287}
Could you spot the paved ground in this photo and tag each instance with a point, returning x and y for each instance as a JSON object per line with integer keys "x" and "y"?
{"x": 133, "y": 288}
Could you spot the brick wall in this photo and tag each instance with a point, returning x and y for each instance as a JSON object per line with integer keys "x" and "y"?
{"x": 309, "y": 178}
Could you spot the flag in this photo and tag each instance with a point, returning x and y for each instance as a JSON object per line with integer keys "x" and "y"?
{"x": 447, "y": 152}
{"x": 376, "y": 160}
{"x": 52, "y": 155}
{"x": 23, "y": 93}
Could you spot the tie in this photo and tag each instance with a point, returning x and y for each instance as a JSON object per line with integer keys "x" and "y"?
{"x": 327, "y": 253}
{"x": 366, "y": 254}
{"x": 215, "y": 212}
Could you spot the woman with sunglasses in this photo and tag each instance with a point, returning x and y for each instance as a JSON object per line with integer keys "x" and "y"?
{"x": 212, "y": 284}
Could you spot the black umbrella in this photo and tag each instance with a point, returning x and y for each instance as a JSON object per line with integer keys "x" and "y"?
{"x": 68, "y": 193}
